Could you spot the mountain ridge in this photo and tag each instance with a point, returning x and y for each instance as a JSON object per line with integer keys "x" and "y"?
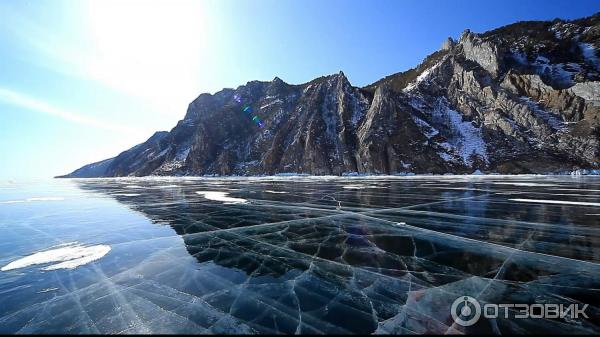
{"x": 522, "y": 98}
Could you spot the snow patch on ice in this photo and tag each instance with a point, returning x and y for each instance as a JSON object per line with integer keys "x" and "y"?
{"x": 354, "y": 187}
{"x": 69, "y": 256}
{"x": 32, "y": 200}
{"x": 45, "y": 199}
{"x": 560, "y": 202}
{"x": 359, "y": 187}
{"x": 12, "y": 201}
{"x": 221, "y": 196}
{"x": 522, "y": 184}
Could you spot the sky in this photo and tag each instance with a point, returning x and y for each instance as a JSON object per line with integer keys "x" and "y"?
{"x": 82, "y": 81}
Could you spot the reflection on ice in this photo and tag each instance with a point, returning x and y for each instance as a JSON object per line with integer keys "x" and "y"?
{"x": 70, "y": 256}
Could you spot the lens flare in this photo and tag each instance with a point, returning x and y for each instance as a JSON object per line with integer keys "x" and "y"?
{"x": 246, "y": 108}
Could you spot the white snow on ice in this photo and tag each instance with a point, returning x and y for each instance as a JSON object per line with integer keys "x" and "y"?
{"x": 522, "y": 184}
{"x": 45, "y": 199}
{"x": 275, "y": 192}
{"x": 32, "y": 200}
{"x": 68, "y": 256}
{"x": 561, "y": 202}
{"x": 354, "y": 187}
{"x": 221, "y": 196}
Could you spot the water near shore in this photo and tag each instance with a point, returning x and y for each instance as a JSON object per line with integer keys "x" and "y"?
{"x": 296, "y": 254}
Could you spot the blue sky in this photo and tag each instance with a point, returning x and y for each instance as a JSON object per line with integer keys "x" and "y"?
{"x": 81, "y": 81}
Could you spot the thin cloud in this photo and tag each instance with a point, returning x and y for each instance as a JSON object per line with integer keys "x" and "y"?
{"x": 25, "y": 101}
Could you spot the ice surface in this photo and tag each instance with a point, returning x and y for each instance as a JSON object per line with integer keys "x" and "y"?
{"x": 389, "y": 257}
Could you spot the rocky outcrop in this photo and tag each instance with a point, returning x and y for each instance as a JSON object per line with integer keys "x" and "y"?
{"x": 484, "y": 53}
{"x": 512, "y": 100}
{"x": 448, "y": 44}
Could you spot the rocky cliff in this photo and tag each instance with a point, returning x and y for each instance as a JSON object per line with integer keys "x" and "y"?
{"x": 523, "y": 98}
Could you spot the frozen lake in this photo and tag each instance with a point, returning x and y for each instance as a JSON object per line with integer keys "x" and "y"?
{"x": 296, "y": 254}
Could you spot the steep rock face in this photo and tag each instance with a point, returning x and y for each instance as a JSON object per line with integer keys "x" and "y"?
{"x": 519, "y": 99}
{"x": 402, "y": 148}
{"x": 484, "y": 53}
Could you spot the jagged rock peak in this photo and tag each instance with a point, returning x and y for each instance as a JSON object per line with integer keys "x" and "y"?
{"x": 341, "y": 78}
{"x": 278, "y": 80}
{"x": 448, "y": 44}
{"x": 158, "y": 135}
{"x": 465, "y": 35}
{"x": 483, "y": 52}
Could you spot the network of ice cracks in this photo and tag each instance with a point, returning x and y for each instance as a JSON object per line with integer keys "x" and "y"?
{"x": 332, "y": 255}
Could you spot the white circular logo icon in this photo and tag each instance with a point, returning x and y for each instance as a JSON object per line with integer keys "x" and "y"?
{"x": 465, "y": 311}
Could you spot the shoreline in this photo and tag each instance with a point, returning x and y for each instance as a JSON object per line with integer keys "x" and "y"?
{"x": 287, "y": 176}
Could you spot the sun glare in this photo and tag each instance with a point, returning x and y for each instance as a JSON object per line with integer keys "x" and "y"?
{"x": 153, "y": 51}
